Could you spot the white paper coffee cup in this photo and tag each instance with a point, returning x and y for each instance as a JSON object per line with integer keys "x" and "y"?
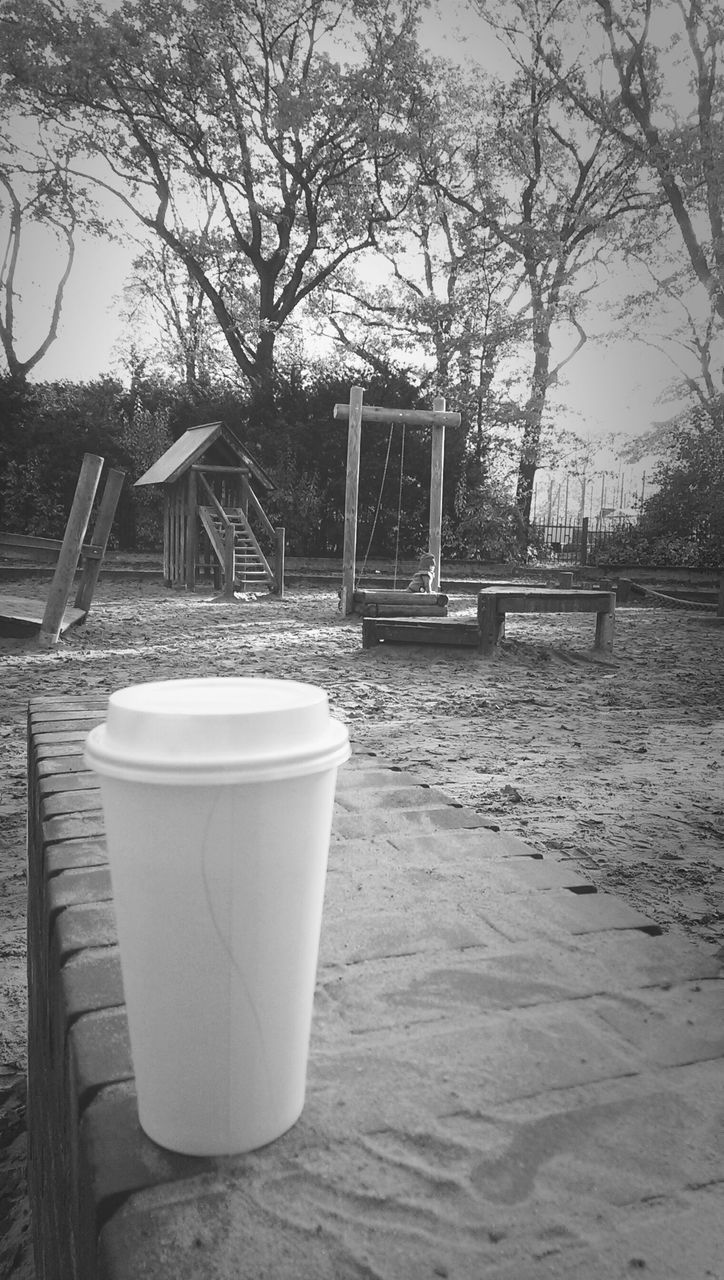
{"x": 218, "y": 798}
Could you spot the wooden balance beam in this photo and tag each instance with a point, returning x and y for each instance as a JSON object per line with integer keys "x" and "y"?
{"x": 487, "y": 630}
{"x": 389, "y": 603}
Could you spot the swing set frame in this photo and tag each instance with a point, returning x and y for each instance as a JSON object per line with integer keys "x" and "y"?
{"x": 357, "y": 412}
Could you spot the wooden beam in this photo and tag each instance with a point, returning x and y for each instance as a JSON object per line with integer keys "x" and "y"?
{"x": 410, "y": 417}
{"x": 101, "y": 534}
{"x": 75, "y": 532}
{"x": 436, "y": 473}
{"x": 354, "y": 441}
{"x": 236, "y": 471}
{"x": 192, "y": 518}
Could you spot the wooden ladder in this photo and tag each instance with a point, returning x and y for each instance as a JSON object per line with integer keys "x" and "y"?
{"x": 250, "y": 567}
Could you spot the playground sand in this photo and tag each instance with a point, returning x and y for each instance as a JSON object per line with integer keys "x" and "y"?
{"x": 615, "y": 761}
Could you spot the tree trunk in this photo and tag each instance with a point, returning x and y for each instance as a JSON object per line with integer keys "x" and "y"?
{"x": 533, "y": 413}
{"x": 263, "y": 391}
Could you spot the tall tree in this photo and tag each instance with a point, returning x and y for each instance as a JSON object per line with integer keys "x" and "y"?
{"x": 548, "y": 185}
{"x": 442, "y": 309}
{"x": 37, "y": 200}
{"x": 183, "y": 105}
{"x": 677, "y": 134}
{"x": 657, "y": 88}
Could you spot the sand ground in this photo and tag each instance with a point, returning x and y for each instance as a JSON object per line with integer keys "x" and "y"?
{"x": 616, "y": 762}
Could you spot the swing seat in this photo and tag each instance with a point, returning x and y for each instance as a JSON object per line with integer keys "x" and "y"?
{"x": 390, "y": 603}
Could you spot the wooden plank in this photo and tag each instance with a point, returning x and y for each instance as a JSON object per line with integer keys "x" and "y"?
{"x": 444, "y": 631}
{"x": 391, "y": 596}
{"x": 55, "y": 606}
{"x": 410, "y": 417}
{"x": 548, "y": 600}
{"x": 28, "y": 614}
{"x": 406, "y": 610}
{"x": 101, "y": 534}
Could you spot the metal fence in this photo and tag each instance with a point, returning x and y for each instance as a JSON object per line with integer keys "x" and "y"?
{"x": 573, "y": 543}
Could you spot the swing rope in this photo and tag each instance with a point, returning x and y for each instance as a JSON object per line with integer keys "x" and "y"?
{"x": 399, "y": 503}
{"x": 361, "y": 573}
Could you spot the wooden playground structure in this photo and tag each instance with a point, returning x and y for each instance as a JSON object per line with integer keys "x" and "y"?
{"x": 399, "y": 603}
{"x": 214, "y": 522}
{"x": 52, "y": 618}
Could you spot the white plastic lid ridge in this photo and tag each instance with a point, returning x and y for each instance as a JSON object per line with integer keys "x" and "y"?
{"x": 216, "y": 729}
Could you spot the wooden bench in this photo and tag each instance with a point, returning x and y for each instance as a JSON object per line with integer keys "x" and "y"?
{"x": 493, "y": 606}
{"x": 484, "y": 633}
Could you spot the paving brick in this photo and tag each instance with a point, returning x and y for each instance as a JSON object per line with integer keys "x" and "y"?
{"x": 60, "y": 783}
{"x": 75, "y": 853}
{"x": 76, "y": 887}
{"x": 75, "y": 736}
{"x": 482, "y": 842}
{"x": 192, "y": 1231}
{"x": 370, "y": 800}
{"x": 434, "y": 820}
{"x": 101, "y": 1051}
{"x": 560, "y": 912}
{"x": 672, "y": 1027}
{"x": 674, "y": 1239}
{"x": 63, "y": 762}
{"x": 67, "y": 827}
{"x": 119, "y": 1158}
{"x": 90, "y": 980}
{"x": 350, "y": 936}
{"x": 366, "y": 778}
{"x": 82, "y": 800}
{"x": 535, "y": 875}
{"x": 87, "y": 925}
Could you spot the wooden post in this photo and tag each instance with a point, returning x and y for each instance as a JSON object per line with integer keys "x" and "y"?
{"x": 229, "y": 558}
{"x": 584, "y": 541}
{"x": 279, "y": 537}
{"x": 93, "y": 555}
{"x": 489, "y": 624}
{"x": 69, "y": 555}
{"x": 192, "y": 538}
{"x": 436, "y": 471}
{"x": 605, "y": 623}
{"x": 354, "y": 441}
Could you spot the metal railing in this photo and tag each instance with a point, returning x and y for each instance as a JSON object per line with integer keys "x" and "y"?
{"x": 574, "y": 542}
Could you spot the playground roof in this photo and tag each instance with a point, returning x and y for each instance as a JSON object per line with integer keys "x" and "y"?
{"x": 191, "y": 447}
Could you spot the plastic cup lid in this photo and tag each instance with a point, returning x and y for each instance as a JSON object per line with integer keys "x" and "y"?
{"x": 216, "y": 729}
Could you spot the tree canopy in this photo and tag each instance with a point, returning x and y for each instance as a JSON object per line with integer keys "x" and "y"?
{"x": 234, "y": 133}
{"x": 304, "y": 170}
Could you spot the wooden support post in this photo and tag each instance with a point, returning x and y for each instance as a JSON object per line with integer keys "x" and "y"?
{"x": 605, "y": 622}
{"x": 490, "y": 624}
{"x": 229, "y": 558}
{"x": 93, "y": 557}
{"x": 436, "y": 473}
{"x": 192, "y": 534}
{"x": 69, "y": 556}
{"x": 354, "y": 441}
{"x": 584, "y": 541}
{"x": 279, "y": 540}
